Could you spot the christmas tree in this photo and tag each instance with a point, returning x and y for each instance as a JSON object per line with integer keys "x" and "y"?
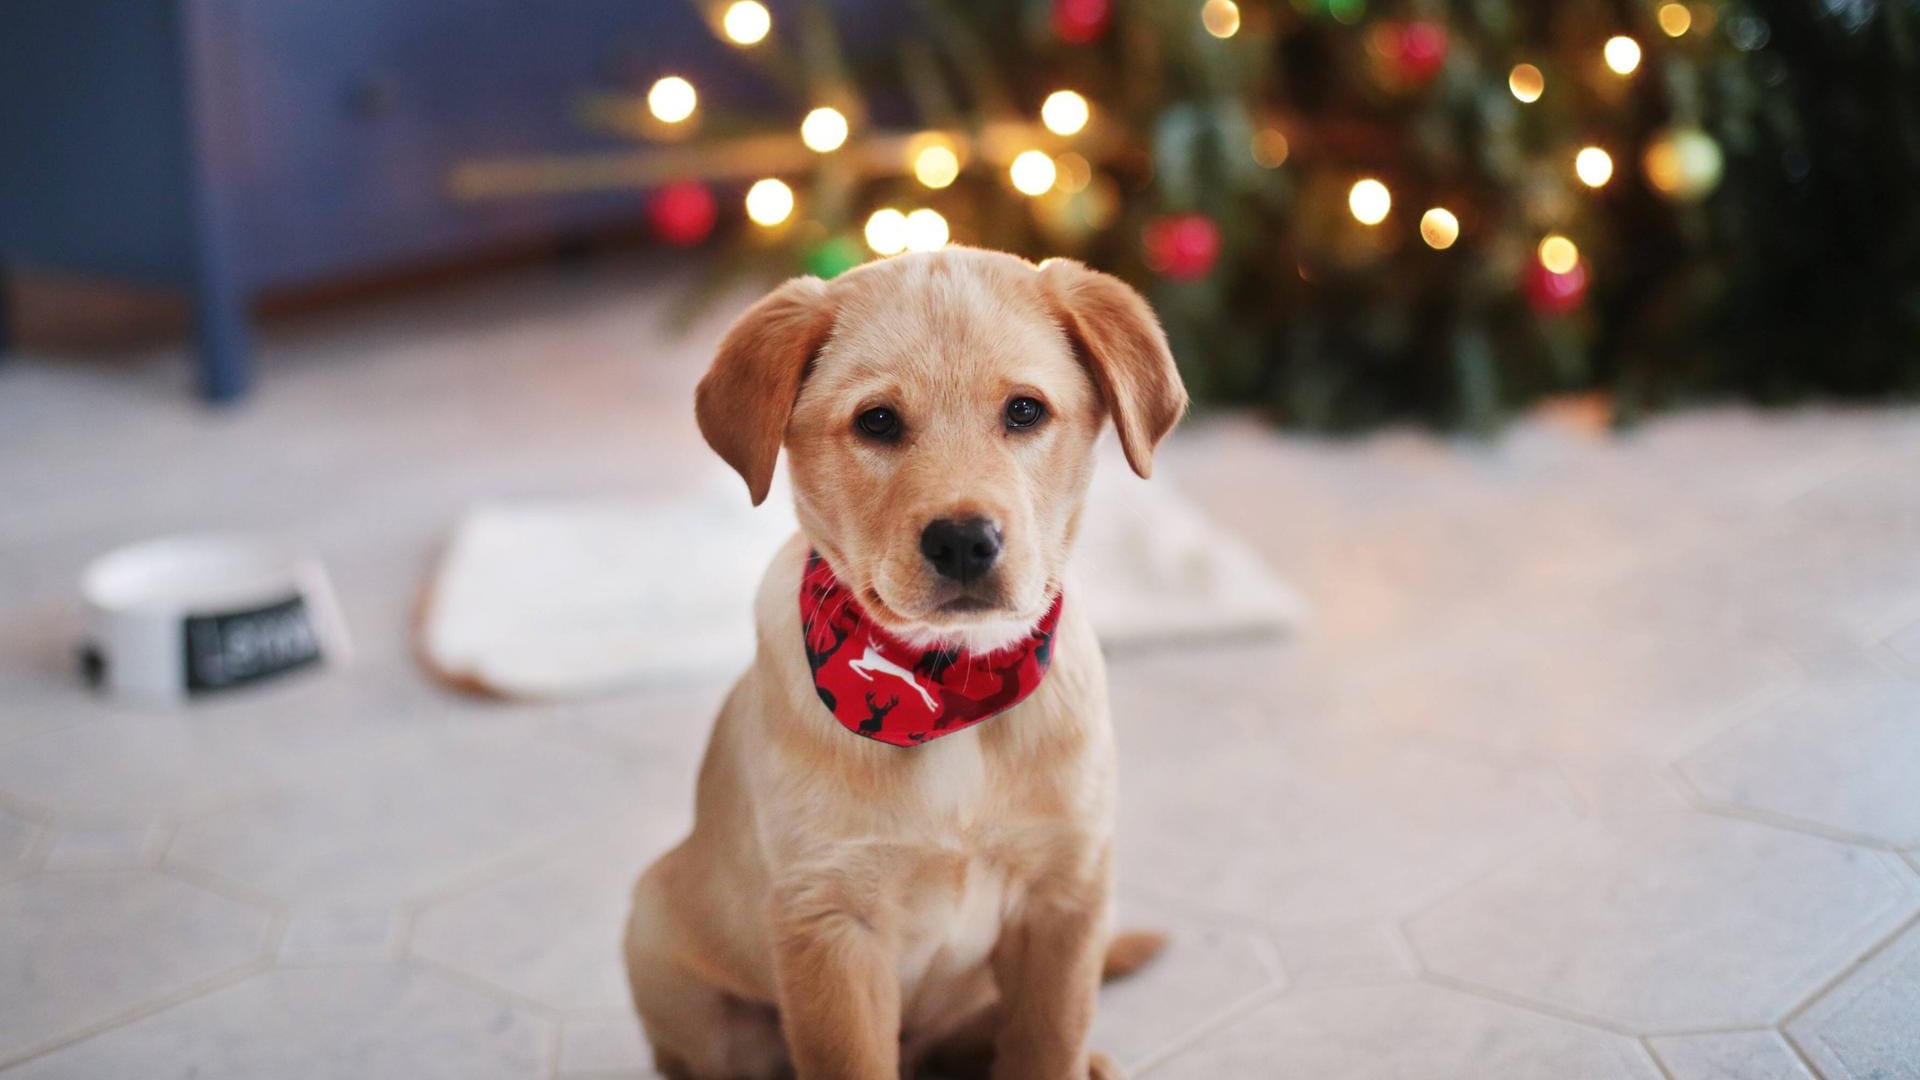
{"x": 1350, "y": 212}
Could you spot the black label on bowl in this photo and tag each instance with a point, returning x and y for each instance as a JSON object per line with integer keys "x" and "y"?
{"x": 238, "y": 647}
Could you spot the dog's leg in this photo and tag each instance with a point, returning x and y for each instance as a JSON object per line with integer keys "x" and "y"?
{"x": 1047, "y": 966}
{"x": 839, "y": 989}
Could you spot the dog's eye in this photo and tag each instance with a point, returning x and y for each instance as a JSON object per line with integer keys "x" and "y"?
{"x": 1024, "y": 412}
{"x": 880, "y": 423}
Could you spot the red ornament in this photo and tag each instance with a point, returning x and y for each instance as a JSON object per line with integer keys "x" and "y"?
{"x": 1181, "y": 246}
{"x": 683, "y": 212}
{"x": 1555, "y": 294}
{"x": 1078, "y": 22}
{"x": 1421, "y": 50}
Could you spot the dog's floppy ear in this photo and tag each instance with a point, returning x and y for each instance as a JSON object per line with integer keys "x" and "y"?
{"x": 1115, "y": 332}
{"x": 743, "y": 402}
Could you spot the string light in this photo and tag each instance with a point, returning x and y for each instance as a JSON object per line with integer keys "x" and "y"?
{"x": 1558, "y": 254}
{"x": 926, "y": 230}
{"x": 1622, "y": 54}
{"x": 1527, "y": 83}
{"x": 1270, "y": 148}
{"x": 1370, "y": 201}
{"x": 769, "y": 202}
{"x": 1032, "y": 172}
{"x": 823, "y": 130}
{"x": 1065, "y": 112}
{"x": 936, "y": 165}
{"x": 746, "y": 22}
{"x": 887, "y": 231}
{"x": 1674, "y": 19}
{"x": 1221, "y": 18}
{"x": 672, "y": 100}
{"x": 1439, "y": 228}
{"x": 1593, "y": 166}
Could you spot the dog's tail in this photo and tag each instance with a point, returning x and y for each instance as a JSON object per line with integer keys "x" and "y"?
{"x": 1129, "y": 951}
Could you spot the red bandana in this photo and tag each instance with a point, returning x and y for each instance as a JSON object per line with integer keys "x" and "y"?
{"x": 878, "y": 686}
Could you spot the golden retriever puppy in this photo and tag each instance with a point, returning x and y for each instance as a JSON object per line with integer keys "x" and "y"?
{"x": 903, "y": 835}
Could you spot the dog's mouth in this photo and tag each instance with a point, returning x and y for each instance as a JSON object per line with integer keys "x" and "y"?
{"x": 969, "y": 605}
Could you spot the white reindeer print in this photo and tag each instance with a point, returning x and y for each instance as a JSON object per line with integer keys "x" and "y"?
{"x": 871, "y": 661}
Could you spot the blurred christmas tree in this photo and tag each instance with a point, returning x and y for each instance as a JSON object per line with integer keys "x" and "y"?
{"x": 1355, "y": 212}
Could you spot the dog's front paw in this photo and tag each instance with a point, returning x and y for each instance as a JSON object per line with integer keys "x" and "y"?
{"x": 1101, "y": 1067}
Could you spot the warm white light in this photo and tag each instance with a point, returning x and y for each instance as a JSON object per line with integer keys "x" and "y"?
{"x": 823, "y": 130}
{"x": 1439, "y": 228}
{"x": 1032, "y": 172}
{"x": 746, "y": 22}
{"x": 672, "y": 99}
{"x": 926, "y": 230}
{"x": 936, "y": 166}
{"x": 1221, "y": 18}
{"x": 1527, "y": 83}
{"x": 1593, "y": 166}
{"x": 1675, "y": 19}
{"x": 887, "y": 231}
{"x": 1622, "y": 54}
{"x": 1370, "y": 201}
{"x": 1558, "y": 254}
{"x": 1065, "y": 112}
{"x": 769, "y": 202}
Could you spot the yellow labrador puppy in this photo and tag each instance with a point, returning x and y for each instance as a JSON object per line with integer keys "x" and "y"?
{"x": 880, "y": 869}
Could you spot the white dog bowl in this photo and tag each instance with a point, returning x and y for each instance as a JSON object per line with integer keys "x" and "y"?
{"x": 183, "y": 616}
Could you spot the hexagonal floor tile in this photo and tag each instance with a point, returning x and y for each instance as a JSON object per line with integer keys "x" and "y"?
{"x": 381, "y": 823}
{"x": 1409, "y": 1032}
{"x": 127, "y": 768}
{"x": 1208, "y": 966}
{"x": 1729, "y": 1055}
{"x": 294, "y": 1024}
{"x": 1669, "y": 923}
{"x": 551, "y": 931}
{"x": 78, "y": 949}
{"x": 1840, "y": 755}
{"x": 1323, "y": 827}
{"x": 1868, "y": 1027}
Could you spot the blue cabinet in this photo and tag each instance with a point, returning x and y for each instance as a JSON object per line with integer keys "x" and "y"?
{"x": 232, "y": 146}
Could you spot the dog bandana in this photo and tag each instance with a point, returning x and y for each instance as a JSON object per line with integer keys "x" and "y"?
{"x": 878, "y": 686}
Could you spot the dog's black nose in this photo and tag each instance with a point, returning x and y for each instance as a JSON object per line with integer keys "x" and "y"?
{"x": 961, "y": 550}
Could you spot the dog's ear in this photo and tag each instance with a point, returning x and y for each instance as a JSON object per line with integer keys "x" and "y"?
{"x": 1117, "y": 336}
{"x": 743, "y": 402}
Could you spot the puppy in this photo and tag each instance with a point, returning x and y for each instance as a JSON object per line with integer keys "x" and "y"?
{"x": 902, "y": 842}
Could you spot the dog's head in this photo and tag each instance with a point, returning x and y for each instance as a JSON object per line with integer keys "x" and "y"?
{"x": 939, "y": 412}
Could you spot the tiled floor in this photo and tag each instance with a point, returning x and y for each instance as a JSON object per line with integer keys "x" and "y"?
{"x": 1601, "y": 757}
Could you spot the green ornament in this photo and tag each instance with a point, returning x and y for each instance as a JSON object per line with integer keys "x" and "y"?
{"x": 834, "y": 257}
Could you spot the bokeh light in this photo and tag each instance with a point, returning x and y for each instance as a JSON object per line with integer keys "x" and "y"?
{"x": 1065, "y": 112}
{"x": 1622, "y": 54}
{"x": 1072, "y": 172}
{"x": 746, "y": 22}
{"x": 1439, "y": 228}
{"x": 887, "y": 231}
{"x": 1221, "y": 18}
{"x": 672, "y": 100}
{"x": 1593, "y": 166}
{"x": 1674, "y": 19}
{"x": 769, "y": 202}
{"x": 926, "y": 230}
{"x": 1558, "y": 254}
{"x": 1370, "y": 201}
{"x": 1270, "y": 148}
{"x": 1527, "y": 83}
{"x": 1032, "y": 172}
{"x": 936, "y": 165}
{"x": 824, "y": 130}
